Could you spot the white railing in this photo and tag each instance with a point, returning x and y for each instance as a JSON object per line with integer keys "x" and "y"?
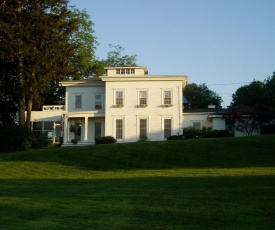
{"x": 53, "y": 107}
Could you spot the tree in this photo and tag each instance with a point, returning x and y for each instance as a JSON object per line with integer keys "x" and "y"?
{"x": 250, "y": 95}
{"x": 200, "y": 96}
{"x": 115, "y": 57}
{"x": 246, "y": 119}
{"x": 37, "y": 36}
{"x": 269, "y": 92}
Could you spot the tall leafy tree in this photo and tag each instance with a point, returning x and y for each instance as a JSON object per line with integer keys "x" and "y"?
{"x": 249, "y": 95}
{"x": 269, "y": 92}
{"x": 37, "y": 36}
{"x": 200, "y": 96}
{"x": 116, "y": 58}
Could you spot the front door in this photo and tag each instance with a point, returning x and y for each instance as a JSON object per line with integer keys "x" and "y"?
{"x": 97, "y": 129}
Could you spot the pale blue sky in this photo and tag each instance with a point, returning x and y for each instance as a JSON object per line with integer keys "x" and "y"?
{"x": 222, "y": 43}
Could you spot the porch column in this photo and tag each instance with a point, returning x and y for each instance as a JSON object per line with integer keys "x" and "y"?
{"x": 65, "y": 129}
{"x": 86, "y": 130}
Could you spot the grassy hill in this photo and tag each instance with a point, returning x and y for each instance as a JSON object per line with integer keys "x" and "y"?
{"x": 226, "y": 183}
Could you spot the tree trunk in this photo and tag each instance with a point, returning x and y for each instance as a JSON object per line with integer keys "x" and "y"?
{"x": 29, "y": 110}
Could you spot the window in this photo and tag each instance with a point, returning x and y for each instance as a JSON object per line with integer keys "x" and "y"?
{"x": 98, "y": 101}
{"x": 119, "y": 98}
{"x": 167, "y": 127}
{"x": 142, "y": 97}
{"x": 167, "y": 97}
{"x": 119, "y": 128}
{"x": 143, "y": 127}
{"x": 197, "y": 125}
{"x": 127, "y": 71}
{"x": 78, "y": 101}
{"x": 97, "y": 129}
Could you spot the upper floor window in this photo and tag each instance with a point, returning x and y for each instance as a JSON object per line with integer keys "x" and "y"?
{"x": 78, "y": 101}
{"x": 98, "y": 101}
{"x": 142, "y": 97}
{"x": 119, "y": 98}
{"x": 167, "y": 100}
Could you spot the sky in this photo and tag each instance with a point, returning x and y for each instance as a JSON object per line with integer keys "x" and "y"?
{"x": 223, "y": 43}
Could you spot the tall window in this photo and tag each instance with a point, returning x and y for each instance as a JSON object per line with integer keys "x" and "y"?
{"x": 167, "y": 127}
{"x": 119, "y": 128}
{"x": 98, "y": 101}
{"x": 143, "y": 97}
{"x": 167, "y": 97}
{"x": 119, "y": 97}
{"x": 143, "y": 127}
{"x": 78, "y": 101}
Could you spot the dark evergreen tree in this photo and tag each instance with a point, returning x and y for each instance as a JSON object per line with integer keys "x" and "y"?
{"x": 200, "y": 96}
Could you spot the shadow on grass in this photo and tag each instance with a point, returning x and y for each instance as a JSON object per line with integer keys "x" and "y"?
{"x": 140, "y": 203}
{"x": 204, "y": 153}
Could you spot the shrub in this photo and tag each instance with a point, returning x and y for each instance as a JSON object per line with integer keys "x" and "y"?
{"x": 105, "y": 140}
{"x": 191, "y": 132}
{"x": 268, "y": 129}
{"x": 40, "y": 141}
{"x": 143, "y": 138}
{"x": 14, "y": 138}
{"x": 175, "y": 137}
{"x": 74, "y": 141}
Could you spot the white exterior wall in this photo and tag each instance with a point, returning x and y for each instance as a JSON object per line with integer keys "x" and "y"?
{"x": 154, "y": 113}
{"x": 88, "y": 97}
{"x": 218, "y": 124}
{"x": 190, "y": 118}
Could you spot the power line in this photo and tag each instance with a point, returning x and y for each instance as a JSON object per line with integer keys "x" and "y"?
{"x": 234, "y": 83}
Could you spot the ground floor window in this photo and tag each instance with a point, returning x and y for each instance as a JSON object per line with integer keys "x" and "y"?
{"x": 143, "y": 127}
{"x": 167, "y": 127}
{"x": 197, "y": 125}
{"x": 119, "y": 128}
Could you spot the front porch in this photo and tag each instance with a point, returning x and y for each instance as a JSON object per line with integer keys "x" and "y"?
{"x": 83, "y": 127}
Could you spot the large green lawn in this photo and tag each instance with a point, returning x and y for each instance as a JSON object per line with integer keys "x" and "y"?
{"x": 226, "y": 183}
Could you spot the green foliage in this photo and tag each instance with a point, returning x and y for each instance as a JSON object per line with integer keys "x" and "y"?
{"x": 40, "y": 141}
{"x": 175, "y": 137}
{"x": 14, "y": 138}
{"x": 115, "y": 57}
{"x": 143, "y": 139}
{"x": 249, "y": 95}
{"x": 191, "y": 133}
{"x": 74, "y": 141}
{"x": 200, "y": 96}
{"x": 105, "y": 140}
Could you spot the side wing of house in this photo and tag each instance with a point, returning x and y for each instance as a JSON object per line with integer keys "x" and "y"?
{"x": 85, "y": 110}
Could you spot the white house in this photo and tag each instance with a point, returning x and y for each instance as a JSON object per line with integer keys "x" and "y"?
{"x": 126, "y": 104}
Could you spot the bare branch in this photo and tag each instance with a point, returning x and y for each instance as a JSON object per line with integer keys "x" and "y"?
{"x": 3, "y": 4}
